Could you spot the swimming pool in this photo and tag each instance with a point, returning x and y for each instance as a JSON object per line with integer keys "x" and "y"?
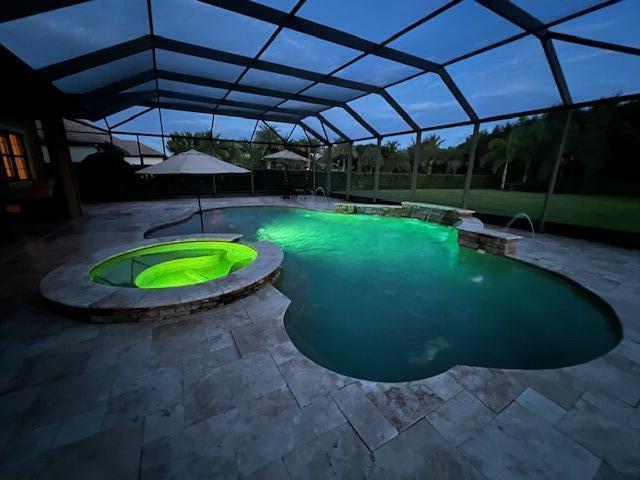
{"x": 392, "y": 299}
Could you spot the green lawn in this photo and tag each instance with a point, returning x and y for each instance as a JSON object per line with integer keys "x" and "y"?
{"x": 615, "y": 213}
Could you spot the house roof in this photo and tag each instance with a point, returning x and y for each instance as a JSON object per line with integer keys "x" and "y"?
{"x": 80, "y": 133}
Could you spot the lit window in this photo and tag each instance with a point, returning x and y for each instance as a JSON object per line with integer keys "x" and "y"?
{"x": 14, "y": 159}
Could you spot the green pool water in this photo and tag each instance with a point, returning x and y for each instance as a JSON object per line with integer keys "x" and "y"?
{"x": 175, "y": 264}
{"x": 396, "y": 299}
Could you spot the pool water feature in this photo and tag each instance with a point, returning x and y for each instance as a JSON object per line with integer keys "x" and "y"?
{"x": 174, "y": 264}
{"x": 396, "y": 299}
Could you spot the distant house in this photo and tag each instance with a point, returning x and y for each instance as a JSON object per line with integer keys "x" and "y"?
{"x": 85, "y": 140}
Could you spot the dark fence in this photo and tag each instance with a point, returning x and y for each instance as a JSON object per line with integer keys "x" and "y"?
{"x": 122, "y": 183}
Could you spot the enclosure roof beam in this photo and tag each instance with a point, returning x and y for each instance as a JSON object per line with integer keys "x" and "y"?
{"x": 13, "y": 10}
{"x": 220, "y": 111}
{"x": 278, "y": 17}
{"x": 594, "y": 43}
{"x": 332, "y": 127}
{"x": 108, "y": 106}
{"x": 361, "y": 121}
{"x": 400, "y": 111}
{"x": 97, "y": 58}
{"x": 181, "y": 77}
{"x": 119, "y": 86}
{"x": 306, "y": 134}
{"x": 455, "y": 91}
{"x": 187, "y": 137}
{"x": 132, "y": 117}
{"x": 556, "y": 70}
{"x": 232, "y": 103}
{"x": 532, "y": 25}
{"x": 322, "y": 139}
{"x": 515, "y": 15}
{"x": 235, "y": 59}
{"x": 275, "y": 132}
{"x": 148, "y": 42}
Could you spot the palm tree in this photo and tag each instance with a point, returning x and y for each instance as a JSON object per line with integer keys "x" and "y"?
{"x": 367, "y": 157}
{"x": 182, "y": 141}
{"x": 501, "y": 152}
{"x": 430, "y": 151}
{"x": 395, "y": 158}
{"x": 341, "y": 152}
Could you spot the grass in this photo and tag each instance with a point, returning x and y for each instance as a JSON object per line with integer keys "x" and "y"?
{"x": 608, "y": 212}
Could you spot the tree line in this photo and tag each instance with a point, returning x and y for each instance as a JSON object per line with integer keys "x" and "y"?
{"x": 600, "y": 155}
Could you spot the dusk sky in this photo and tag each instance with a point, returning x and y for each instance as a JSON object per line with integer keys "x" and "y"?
{"x": 511, "y": 78}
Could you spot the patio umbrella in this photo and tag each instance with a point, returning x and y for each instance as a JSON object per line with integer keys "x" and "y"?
{"x": 287, "y": 156}
{"x": 193, "y": 162}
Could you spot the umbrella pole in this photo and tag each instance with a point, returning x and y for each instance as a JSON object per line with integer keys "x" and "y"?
{"x": 200, "y": 209}
{"x": 214, "y": 186}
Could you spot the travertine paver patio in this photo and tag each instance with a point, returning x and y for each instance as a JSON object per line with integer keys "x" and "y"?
{"x": 224, "y": 393}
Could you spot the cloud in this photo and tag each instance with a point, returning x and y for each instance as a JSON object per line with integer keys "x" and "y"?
{"x": 431, "y": 105}
{"x": 581, "y": 57}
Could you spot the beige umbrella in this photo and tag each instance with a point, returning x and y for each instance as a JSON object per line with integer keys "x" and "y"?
{"x": 286, "y": 155}
{"x": 193, "y": 162}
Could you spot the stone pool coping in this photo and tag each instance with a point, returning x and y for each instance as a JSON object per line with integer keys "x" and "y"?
{"x": 71, "y": 288}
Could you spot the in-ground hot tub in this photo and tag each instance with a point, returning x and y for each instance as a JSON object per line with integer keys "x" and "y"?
{"x": 173, "y": 264}
{"x": 156, "y": 278}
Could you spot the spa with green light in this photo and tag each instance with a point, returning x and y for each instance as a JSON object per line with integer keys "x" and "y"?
{"x": 153, "y": 278}
{"x": 173, "y": 264}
